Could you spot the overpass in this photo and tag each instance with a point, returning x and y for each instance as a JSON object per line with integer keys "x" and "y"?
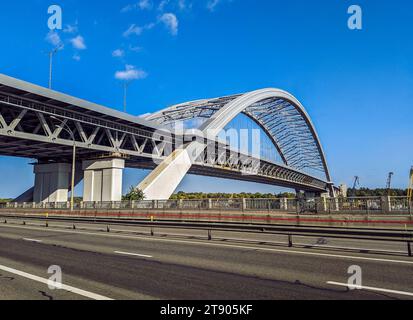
{"x": 44, "y": 125}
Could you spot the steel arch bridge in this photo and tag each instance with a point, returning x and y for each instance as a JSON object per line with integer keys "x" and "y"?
{"x": 32, "y": 117}
{"x": 279, "y": 114}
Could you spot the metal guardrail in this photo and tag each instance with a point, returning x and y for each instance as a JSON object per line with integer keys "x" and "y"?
{"x": 290, "y": 231}
{"x": 364, "y": 206}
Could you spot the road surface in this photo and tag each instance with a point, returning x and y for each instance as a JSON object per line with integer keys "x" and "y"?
{"x": 119, "y": 266}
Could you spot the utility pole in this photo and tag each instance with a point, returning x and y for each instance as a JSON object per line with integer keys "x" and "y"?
{"x": 391, "y": 174}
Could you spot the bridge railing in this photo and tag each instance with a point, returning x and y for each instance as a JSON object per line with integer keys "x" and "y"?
{"x": 401, "y": 204}
{"x": 360, "y": 206}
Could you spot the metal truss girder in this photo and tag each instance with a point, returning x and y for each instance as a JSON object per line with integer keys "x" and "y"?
{"x": 44, "y": 108}
{"x": 53, "y": 136}
{"x": 69, "y": 143}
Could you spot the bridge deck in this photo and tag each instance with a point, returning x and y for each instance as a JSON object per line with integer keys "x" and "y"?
{"x": 36, "y": 93}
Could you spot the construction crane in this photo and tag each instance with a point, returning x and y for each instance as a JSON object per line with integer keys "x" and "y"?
{"x": 389, "y": 179}
{"x": 410, "y": 190}
{"x": 355, "y": 184}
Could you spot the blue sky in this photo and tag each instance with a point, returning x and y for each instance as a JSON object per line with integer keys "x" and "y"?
{"x": 356, "y": 85}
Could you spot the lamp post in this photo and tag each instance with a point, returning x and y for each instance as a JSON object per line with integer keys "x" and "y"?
{"x": 65, "y": 127}
{"x": 51, "y": 54}
{"x": 126, "y": 85}
{"x": 410, "y": 189}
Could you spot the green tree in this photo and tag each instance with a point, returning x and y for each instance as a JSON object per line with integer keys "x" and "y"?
{"x": 134, "y": 194}
{"x": 199, "y": 195}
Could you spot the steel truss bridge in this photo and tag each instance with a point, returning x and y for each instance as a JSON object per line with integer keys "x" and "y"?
{"x": 42, "y": 124}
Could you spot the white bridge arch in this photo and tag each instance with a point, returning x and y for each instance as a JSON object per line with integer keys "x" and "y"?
{"x": 279, "y": 114}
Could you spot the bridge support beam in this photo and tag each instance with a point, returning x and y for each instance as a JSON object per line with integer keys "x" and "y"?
{"x": 51, "y": 182}
{"x": 162, "y": 182}
{"x": 103, "y": 180}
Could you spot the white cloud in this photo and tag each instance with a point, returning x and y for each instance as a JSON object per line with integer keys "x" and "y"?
{"x": 130, "y": 73}
{"x": 171, "y": 22}
{"x": 128, "y": 8}
{"x": 181, "y": 5}
{"x": 133, "y": 29}
{"x": 78, "y": 43}
{"x": 54, "y": 38}
{"x": 118, "y": 53}
{"x": 145, "y": 4}
{"x": 137, "y": 30}
{"x": 141, "y": 5}
{"x": 149, "y": 26}
{"x": 163, "y": 4}
{"x": 184, "y": 5}
{"x": 211, "y": 5}
{"x": 70, "y": 29}
{"x": 135, "y": 48}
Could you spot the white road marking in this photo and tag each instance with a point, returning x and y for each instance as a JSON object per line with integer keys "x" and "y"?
{"x": 150, "y": 239}
{"x": 403, "y": 293}
{"x": 32, "y": 240}
{"x": 133, "y": 254}
{"x": 74, "y": 290}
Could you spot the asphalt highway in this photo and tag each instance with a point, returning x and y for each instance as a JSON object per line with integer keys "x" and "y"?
{"x": 177, "y": 264}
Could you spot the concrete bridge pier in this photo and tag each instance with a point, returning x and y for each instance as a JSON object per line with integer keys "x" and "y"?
{"x": 52, "y": 182}
{"x": 103, "y": 180}
{"x": 162, "y": 182}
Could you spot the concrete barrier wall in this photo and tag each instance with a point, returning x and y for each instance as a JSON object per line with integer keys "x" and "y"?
{"x": 404, "y": 222}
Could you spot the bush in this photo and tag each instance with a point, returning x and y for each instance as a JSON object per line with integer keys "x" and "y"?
{"x": 134, "y": 194}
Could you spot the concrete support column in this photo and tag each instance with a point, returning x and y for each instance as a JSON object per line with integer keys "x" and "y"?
{"x": 51, "y": 182}
{"x": 244, "y": 204}
{"x": 386, "y": 204}
{"x": 103, "y": 180}
{"x": 335, "y": 204}
{"x": 322, "y": 205}
{"x": 284, "y": 204}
